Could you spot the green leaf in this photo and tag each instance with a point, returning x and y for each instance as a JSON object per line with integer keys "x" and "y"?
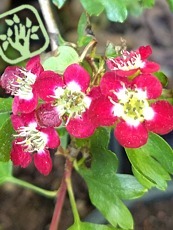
{"x": 105, "y": 187}
{"x": 66, "y": 56}
{"x": 59, "y": 3}
{"x": 3, "y": 37}
{"x": 34, "y": 36}
{"x": 89, "y": 226}
{"x": 128, "y": 187}
{"x": 116, "y": 10}
{"x": 92, "y": 7}
{"x": 9, "y": 32}
{"x": 34, "y": 29}
{"x": 83, "y": 37}
{"x": 16, "y": 19}
{"x": 170, "y": 3}
{"x": 9, "y": 22}
{"x": 147, "y": 3}
{"x": 110, "y": 50}
{"x": 162, "y": 78}
{"x": 5, "y": 171}
{"x": 5, "y": 45}
{"x": 152, "y": 162}
{"x": 28, "y": 23}
{"x": 6, "y": 105}
{"x": 6, "y": 132}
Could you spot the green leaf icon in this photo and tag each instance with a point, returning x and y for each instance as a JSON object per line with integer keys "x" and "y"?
{"x": 34, "y": 37}
{"x": 34, "y": 29}
{"x": 9, "y": 32}
{"x": 3, "y": 37}
{"x": 16, "y": 18}
{"x": 28, "y": 23}
{"x": 5, "y": 45}
{"x": 9, "y": 22}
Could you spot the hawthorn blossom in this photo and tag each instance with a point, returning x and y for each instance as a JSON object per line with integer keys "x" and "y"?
{"x": 131, "y": 62}
{"x": 67, "y": 100}
{"x": 19, "y": 82}
{"x": 131, "y": 106}
{"x": 32, "y": 140}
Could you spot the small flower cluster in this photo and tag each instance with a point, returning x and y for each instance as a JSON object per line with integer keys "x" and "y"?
{"x": 44, "y": 100}
{"x": 130, "y": 99}
{"x": 127, "y": 98}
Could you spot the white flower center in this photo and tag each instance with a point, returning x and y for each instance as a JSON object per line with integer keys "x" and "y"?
{"x": 71, "y": 102}
{"x": 128, "y": 61}
{"x": 132, "y": 106}
{"x": 22, "y": 86}
{"x": 33, "y": 139}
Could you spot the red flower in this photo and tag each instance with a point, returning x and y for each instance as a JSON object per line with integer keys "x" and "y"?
{"x": 67, "y": 100}
{"x": 130, "y": 62}
{"x": 32, "y": 139}
{"x": 127, "y": 105}
{"x": 20, "y": 82}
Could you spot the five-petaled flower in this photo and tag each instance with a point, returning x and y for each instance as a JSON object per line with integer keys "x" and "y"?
{"x": 32, "y": 140}
{"x": 20, "y": 82}
{"x": 129, "y": 105}
{"x": 67, "y": 100}
{"x": 130, "y": 62}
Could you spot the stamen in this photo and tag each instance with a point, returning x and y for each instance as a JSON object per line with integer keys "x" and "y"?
{"x": 33, "y": 139}
{"x": 70, "y": 103}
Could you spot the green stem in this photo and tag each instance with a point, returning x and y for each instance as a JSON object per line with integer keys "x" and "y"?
{"x": 72, "y": 200}
{"x": 44, "y": 192}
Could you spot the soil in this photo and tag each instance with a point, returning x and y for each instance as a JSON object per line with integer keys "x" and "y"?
{"x": 22, "y": 209}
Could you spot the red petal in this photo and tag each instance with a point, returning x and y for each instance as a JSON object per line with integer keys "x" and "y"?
{"x": 9, "y": 77}
{"x": 24, "y": 106}
{"x": 150, "y": 67}
{"x": 22, "y": 120}
{"x": 162, "y": 122}
{"x": 76, "y": 73}
{"x": 81, "y": 127}
{"x": 46, "y": 85}
{"x": 34, "y": 65}
{"x": 47, "y": 116}
{"x": 130, "y": 136}
{"x": 18, "y": 156}
{"x": 145, "y": 51}
{"x": 101, "y": 112}
{"x": 111, "y": 82}
{"x": 43, "y": 162}
{"x": 149, "y": 83}
{"x": 53, "y": 138}
{"x": 95, "y": 92}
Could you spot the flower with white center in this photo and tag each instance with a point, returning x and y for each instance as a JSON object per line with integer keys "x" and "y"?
{"x": 66, "y": 100}
{"x": 32, "y": 140}
{"x": 19, "y": 82}
{"x": 126, "y": 104}
{"x": 130, "y": 62}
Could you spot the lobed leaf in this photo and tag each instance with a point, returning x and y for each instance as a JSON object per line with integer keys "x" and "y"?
{"x": 153, "y": 162}
{"x": 106, "y": 188}
{"x": 116, "y": 10}
{"x": 66, "y": 56}
{"x": 92, "y": 7}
